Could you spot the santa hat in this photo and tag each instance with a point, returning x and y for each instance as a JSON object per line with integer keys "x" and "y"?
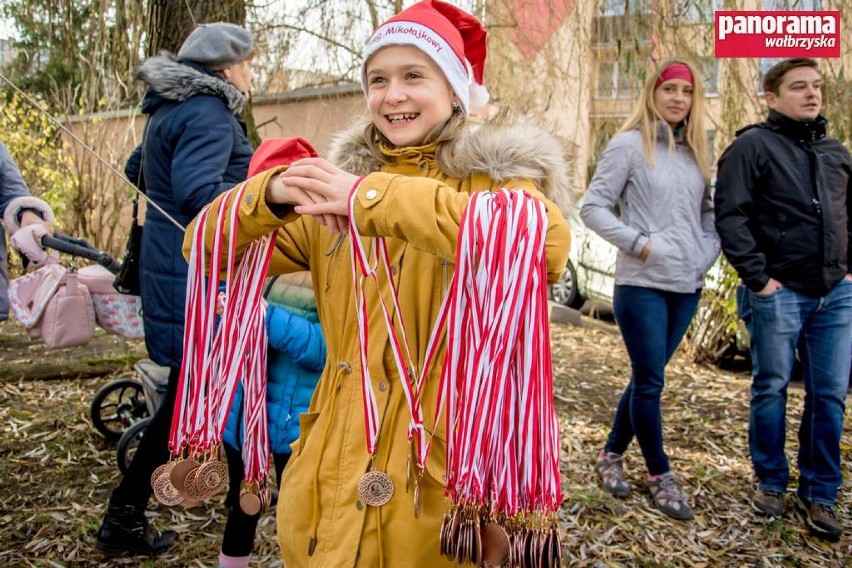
{"x": 279, "y": 152}
{"x": 454, "y": 40}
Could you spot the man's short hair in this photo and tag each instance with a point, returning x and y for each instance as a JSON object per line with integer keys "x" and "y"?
{"x": 773, "y": 78}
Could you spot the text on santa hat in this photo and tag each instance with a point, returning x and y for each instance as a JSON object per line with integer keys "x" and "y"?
{"x": 407, "y": 30}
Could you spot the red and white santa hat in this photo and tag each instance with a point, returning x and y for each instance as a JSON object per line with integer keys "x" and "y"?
{"x": 454, "y": 40}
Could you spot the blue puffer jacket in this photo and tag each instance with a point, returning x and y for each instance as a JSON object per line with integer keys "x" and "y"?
{"x": 296, "y": 357}
{"x": 195, "y": 148}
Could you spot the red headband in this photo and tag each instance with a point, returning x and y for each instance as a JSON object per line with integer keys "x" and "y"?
{"x": 674, "y": 71}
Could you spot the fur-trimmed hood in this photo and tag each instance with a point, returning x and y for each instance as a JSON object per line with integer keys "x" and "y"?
{"x": 177, "y": 81}
{"x": 506, "y": 146}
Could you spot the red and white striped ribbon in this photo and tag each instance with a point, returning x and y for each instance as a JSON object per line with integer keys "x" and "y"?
{"x": 496, "y": 380}
{"x": 217, "y": 359}
{"x": 502, "y": 431}
{"x": 411, "y": 380}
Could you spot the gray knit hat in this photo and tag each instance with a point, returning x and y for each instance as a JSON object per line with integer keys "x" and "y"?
{"x": 217, "y": 46}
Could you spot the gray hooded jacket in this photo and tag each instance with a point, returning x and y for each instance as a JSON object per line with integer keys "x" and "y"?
{"x": 668, "y": 204}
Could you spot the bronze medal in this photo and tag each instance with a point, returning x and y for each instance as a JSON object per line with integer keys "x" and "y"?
{"x": 476, "y": 542}
{"x": 212, "y": 478}
{"x": 495, "y": 544}
{"x": 250, "y": 503}
{"x": 543, "y": 551}
{"x": 555, "y": 548}
{"x": 442, "y": 541}
{"x": 417, "y": 499}
{"x": 161, "y": 471}
{"x": 407, "y": 473}
{"x": 375, "y": 488}
{"x": 166, "y": 493}
{"x": 462, "y": 544}
{"x": 265, "y": 496}
{"x": 515, "y": 559}
{"x": 180, "y": 470}
{"x": 191, "y": 490}
{"x": 453, "y": 542}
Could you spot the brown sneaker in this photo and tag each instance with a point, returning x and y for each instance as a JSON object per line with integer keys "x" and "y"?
{"x": 820, "y": 519}
{"x": 770, "y": 503}
{"x": 609, "y": 467}
{"x": 668, "y": 497}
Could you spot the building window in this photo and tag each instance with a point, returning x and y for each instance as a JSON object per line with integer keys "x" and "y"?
{"x": 608, "y": 8}
{"x": 792, "y": 4}
{"x": 614, "y": 82}
{"x": 708, "y": 67}
{"x": 696, "y": 11}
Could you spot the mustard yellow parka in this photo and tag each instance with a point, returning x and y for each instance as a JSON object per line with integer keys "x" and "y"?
{"x": 411, "y": 202}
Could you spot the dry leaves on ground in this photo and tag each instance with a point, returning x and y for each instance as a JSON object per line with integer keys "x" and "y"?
{"x": 58, "y": 472}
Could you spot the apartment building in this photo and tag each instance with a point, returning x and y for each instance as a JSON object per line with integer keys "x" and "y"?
{"x": 580, "y": 65}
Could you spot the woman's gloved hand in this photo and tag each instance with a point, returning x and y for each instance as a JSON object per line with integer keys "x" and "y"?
{"x": 27, "y": 241}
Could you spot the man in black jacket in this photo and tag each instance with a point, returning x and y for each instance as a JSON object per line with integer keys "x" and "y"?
{"x": 782, "y": 213}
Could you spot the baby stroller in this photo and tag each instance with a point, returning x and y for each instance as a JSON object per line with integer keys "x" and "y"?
{"x": 120, "y": 410}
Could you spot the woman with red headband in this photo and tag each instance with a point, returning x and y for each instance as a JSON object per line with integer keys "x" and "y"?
{"x": 657, "y": 169}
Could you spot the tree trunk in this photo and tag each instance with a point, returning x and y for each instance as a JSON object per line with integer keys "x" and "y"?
{"x": 170, "y": 22}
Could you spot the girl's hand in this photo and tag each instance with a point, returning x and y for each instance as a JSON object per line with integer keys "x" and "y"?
{"x": 326, "y": 183}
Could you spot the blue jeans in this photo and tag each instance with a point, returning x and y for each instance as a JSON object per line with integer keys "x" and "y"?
{"x": 652, "y": 324}
{"x": 822, "y": 329}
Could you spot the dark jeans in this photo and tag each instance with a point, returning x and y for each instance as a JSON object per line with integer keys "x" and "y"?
{"x": 240, "y": 528}
{"x": 822, "y": 330}
{"x": 652, "y": 324}
{"x": 153, "y": 451}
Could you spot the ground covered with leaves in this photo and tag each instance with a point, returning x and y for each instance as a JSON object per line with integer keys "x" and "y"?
{"x": 57, "y": 471}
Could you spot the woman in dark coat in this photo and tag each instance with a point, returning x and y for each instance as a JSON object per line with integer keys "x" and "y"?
{"x": 194, "y": 148}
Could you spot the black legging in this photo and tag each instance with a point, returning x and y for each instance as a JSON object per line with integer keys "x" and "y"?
{"x": 153, "y": 451}
{"x": 240, "y": 528}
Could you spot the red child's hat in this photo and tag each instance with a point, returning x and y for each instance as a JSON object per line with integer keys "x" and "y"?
{"x": 279, "y": 152}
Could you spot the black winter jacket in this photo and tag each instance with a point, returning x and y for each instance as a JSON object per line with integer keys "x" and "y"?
{"x": 783, "y": 205}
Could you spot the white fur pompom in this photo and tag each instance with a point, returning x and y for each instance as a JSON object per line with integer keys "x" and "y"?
{"x": 479, "y": 95}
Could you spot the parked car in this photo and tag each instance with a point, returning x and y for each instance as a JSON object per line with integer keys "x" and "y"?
{"x": 590, "y": 273}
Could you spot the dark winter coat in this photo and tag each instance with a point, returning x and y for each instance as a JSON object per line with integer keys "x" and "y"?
{"x": 295, "y": 358}
{"x": 783, "y": 205}
{"x": 195, "y": 147}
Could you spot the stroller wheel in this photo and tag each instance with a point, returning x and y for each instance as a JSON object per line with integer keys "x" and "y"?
{"x": 117, "y": 406}
{"x": 129, "y": 442}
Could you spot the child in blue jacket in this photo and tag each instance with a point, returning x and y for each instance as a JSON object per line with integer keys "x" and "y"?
{"x": 296, "y": 356}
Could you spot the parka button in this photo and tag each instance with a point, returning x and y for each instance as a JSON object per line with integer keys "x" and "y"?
{"x": 249, "y": 199}
{"x": 383, "y": 386}
{"x": 371, "y": 194}
{"x": 345, "y": 367}
{"x": 359, "y": 505}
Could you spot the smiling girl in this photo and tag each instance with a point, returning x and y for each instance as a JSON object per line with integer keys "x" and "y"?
{"x": 657, "y": 169}
{"x": 421, "y": 160}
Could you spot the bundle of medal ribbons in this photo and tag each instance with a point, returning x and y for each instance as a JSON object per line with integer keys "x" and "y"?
{"x": 496, "y": 382}
{"x": 220, "y": 353}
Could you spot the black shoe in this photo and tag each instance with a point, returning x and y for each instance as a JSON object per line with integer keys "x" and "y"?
{"x": 820, "y": 519}
{"x": 125, "y": 529}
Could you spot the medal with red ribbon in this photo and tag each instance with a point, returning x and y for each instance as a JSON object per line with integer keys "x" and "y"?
{"x": 216, "y": 359}
{"x": 496, "y": 383}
